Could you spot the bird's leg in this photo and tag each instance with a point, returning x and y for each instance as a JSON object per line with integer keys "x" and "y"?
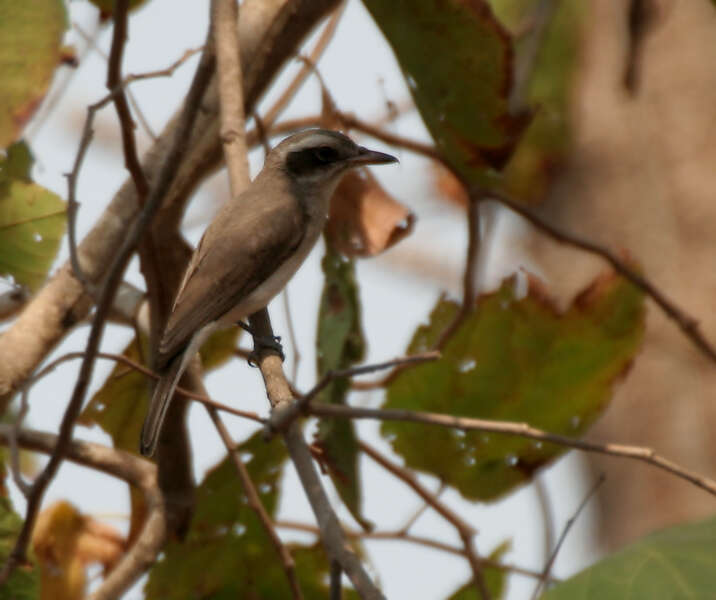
{"x": 262, "y": 342}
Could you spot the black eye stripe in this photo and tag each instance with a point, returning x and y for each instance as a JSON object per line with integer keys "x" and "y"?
{"x": 325, "y": 154}
{"x": 309, "y": 160}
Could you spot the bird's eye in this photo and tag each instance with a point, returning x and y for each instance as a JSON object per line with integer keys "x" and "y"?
{"x": 325, "y": 154}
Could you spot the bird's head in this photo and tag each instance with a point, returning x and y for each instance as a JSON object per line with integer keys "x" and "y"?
{"x": 321, "y": 156}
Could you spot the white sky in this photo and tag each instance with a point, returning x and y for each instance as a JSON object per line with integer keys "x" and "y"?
{"x": 361, "y": 72}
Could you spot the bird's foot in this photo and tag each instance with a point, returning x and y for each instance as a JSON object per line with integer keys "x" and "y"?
{"x": 261, "y": 343}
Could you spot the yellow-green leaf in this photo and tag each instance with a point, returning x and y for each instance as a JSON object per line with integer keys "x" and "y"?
{"x": 495, "y": 579}
{"x": 340, "y": 344}
{"x": 514, "y": 360}
{"x": 30, "y": 42}
{"x": 32, "y": 221}
{"x": 678, "y": 562}
{"x": 24, "y": 582}
{"x": 227, "y": 553}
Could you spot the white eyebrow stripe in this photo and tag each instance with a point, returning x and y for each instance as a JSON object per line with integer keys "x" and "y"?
{"x": 312, "y": 141}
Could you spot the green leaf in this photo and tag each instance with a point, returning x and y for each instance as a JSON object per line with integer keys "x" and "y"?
{"x": 30, "y": 43}
{"x": 227, "y": 553}
{"x": 219, "y": 348}
{"x": 514, "y": 360}
{"x": 340, "y": 344}
{"x": 457, "y": 59}
{"x": 545, "y": 142}
{"x": 24, "y": 582}
{"x": 120, "y": 405}
{"x": 678, "y": 562}
{"x": 32, "y": 221}
{"x": 495, "y": 579}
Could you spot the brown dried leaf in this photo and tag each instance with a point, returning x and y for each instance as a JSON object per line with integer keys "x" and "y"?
{"x": 448, "y": 186}
{"x": 65, "y": 542}
{"x": 365, "y": 220}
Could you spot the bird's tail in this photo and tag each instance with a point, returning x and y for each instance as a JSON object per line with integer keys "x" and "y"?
{"x": 159, "y": 404}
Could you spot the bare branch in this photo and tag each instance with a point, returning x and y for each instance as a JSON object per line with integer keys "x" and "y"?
{"x": 336, "y": 591}
{"x": 464, "y": 529}
{"x": 545, "y": 505}
{"x": 639, "y": 453}
{"x": 541, "y": 18}
{"x": 111, "y": 283}
{"x": 415, "y": 539}
{"x": 114, "y": 67}
{"x": 132, "y": 469}
{"x": 271, "y": 32}
{"x": 686, "y": 323}
{"x": 281, "y": 416}
{"x": 468, "y": 281}
{"x": 224, "y": 24}
{"x": 550, "y": 562}
{"x": 280, "y": 396}
{"x": 254, "y": 501}
{"x": 292, "y": 335}
{"x": 288, "y": 94}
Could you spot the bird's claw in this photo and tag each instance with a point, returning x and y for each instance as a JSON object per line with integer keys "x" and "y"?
{"x": 262, "y": 343}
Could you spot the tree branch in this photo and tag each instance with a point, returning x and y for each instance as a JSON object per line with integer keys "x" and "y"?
{"x": 283, "y": 415}
{"x": 254, "y": 501}
{"x": 270, "y": 32}
{"x": 563, "y": 536}
{"x": 401, "y": 535}
{"x": 464, "y": 529}
{"x": 280, "y": 395}
{"x": 132, "y": 469}
{"x": 111, "y": 283}
{"x": 639, "y": 453}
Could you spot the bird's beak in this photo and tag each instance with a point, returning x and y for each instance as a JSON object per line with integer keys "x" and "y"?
{"x": 371, "y": 157}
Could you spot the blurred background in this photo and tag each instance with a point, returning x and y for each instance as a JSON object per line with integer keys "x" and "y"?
{"x": 638, "y": 176}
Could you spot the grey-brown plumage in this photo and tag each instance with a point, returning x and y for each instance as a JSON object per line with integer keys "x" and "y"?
{"x": 251, "y": 249}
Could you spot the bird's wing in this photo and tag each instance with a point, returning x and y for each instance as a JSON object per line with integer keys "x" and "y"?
{"x": 246, "y": 242}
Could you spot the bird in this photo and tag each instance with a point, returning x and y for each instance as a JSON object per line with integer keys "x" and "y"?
{"x": 251, "y": 249}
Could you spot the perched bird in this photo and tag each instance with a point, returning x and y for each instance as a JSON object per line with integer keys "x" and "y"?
{"x": 250, "y": 250}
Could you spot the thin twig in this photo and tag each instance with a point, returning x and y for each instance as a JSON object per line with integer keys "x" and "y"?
{"x": 336, "y": 590}
{"x": 137, "y": 472}
{"x": 686, "y": 323}
{"x": 550, "y": 561}
{"x": 545, "y": 505}
{"x": 254, "y": 501}
{"x": 464, "y": 529}
{"x": 541, "y": 18}
{"x": 291, "y": 335}
{"x": 329, "y": 30}
{"x": 418, "y": 513}
{"x": 12, "y": 438}
{"x": 285, "y": 415}
{"x": 121, "y": 359}
{"x": 525, "y": 430}
{"x": 400, "y": 535}
{"x": 114, "y": 79}
{"x": 468, "y": 280}
{"x": 114, "y": 276}
{"x": 351, "y": 122}
{"x": 85, "y": 140}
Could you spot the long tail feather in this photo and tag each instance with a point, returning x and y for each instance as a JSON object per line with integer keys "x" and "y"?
{"x": 159, "y": 405}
